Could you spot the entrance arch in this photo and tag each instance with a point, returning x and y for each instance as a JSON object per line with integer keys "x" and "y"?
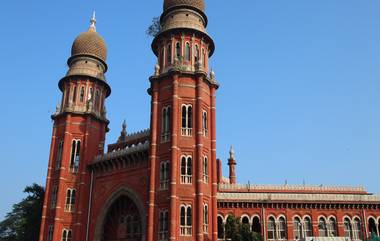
{"x": 123, "y": 218}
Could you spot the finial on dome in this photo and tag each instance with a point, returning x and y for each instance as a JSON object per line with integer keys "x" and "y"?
{"x": 232, "y": 153}
{"x": 212, "y": 74}
{"x": 157, "y": 70}
{"x": 93, "y": 21}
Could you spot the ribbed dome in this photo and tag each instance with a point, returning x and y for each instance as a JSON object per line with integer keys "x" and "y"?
{"x": 90, "y": 43}
{"x": 199, "y": 4}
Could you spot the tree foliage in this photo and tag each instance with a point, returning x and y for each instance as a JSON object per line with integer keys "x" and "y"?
{"x": 23, "y": 222}
{"x": 237, "y": 231}
{"x": 154, "y": 28}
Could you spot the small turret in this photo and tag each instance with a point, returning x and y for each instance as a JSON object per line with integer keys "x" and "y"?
{"x": 123, "y": 133}
{"x": 232, "y": 165}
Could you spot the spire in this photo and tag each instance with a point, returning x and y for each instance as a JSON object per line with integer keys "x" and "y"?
{"x": 123, "y": 133}
{"x": 232, "y": 165}
{"x": 232, "y": 153}
{"x": 93, "y": 22}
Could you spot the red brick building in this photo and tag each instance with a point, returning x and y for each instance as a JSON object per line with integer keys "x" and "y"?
{"x": 166, "y": 183}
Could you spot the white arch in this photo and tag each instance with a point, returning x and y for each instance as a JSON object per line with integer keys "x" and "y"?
{"x": 254, "y": 216}
{"x": 323, "y": 217}
{"x": 346, "y": 216}
{"x": 245, "y": 216}
{"x": 306, "y": 216}
{"x": 375, "y": 219}
{"x": 281, "y": 216}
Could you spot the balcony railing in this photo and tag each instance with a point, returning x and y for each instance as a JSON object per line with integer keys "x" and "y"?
{"x": 186, "y": 179}
{"x": 187, "y": 131}
{"x": 186, "y": 230}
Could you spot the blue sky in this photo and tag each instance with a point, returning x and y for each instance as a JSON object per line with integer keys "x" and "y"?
{"x": 299, "y": 96}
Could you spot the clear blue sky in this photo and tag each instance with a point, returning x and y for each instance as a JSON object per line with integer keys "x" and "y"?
{"x": 299, "y": 96}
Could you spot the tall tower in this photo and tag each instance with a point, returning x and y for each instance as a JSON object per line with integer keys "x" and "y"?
{"x": 79, "y": 130}
{"x": 183, "y": 187}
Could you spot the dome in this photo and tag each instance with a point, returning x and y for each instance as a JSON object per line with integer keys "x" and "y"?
{"x": 198, "y": 4}
{"x": 90, "y": 43}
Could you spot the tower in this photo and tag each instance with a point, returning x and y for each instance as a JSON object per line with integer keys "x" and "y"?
{"x": 183, "y": 184}
{"x": 79, "y": 129}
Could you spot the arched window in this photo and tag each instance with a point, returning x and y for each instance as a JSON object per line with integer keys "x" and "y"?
{"x": 204, "y": 123}
{"x": 187, "y": 52}
{"x": 75, "y": 156}
{"x": 58, "y": 160}
{"x": 245, "y": 220}
{"x": 75, "y": 94}
{"x": 347, "y": 228}
{"x": 164, "y": 175}
{"x": 187, "y": 120}
{"x": 332, "y": 227}
{"x": 54, "y": 194}
{"x": 162, "y": 62}
{"x": 70, "y": 200}
{"x": 186, "y": 221}
{"x": 282, "y": 228}
{"x": 178, "y": 50}
{"x": 297, "y": 228}
{"x": 90, "y": 94}
{"x": 356, "y": 229}
{"x": 97, "y": 100}
{"x": 220, "y": 228}
{"x": 163, "y": 232}
{"x": 204, "y": 58}
{"x": 169, "y": 55}
{"x": 308, "y": 227}
{"x": 50, "y": 233}
{"x": 256, "y": 225}
{"x": 165, "y": 129}
{"x": 271, "y": 228}
{"x": 81, "y": 98}
{"x": 197, "y": 54}
{"x": 205, "y": 218}
{"x": 205, "y": 169}
{"x": 372, "y": 227}
{"x": 322, "y": 227}
{"x": 66, "y": 235}
{"x": 186, "y": 170}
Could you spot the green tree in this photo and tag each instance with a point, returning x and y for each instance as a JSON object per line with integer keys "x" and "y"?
{"x": 154, "y": 28}
{"x": 23, "y": 223}
{"x": 237, "y": 231}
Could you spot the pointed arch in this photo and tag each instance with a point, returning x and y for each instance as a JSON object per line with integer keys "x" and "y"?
{"x": 121, "y": 192}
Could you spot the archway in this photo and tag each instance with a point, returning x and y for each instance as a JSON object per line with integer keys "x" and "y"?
{"x": 123, "y": 218}
{"x": 123, "y": 221}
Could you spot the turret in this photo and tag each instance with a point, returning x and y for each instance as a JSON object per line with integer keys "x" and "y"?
{"x": 183, "y": 134}
{"x": 232, "y": 166}
{"x": 79, "y": 130}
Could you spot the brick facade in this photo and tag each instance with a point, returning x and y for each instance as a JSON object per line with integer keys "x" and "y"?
{"x": 165, "y": 183}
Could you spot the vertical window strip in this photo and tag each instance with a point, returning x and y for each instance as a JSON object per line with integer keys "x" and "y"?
{"x": 66, "y": 235}
{"x": 54, "y": 195}
{"x": 70, "y": 200}
{"x": 186, "y": 170}
{"x": 163, "y": 233}
{"x": 205, "y": 169}
{"x": 58, "y": 160}
{"x": 50, "y": 233}
{"x": 205, "y": 218}
{"x": 75, "y": 156}
{"x": 187, "y": 120}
